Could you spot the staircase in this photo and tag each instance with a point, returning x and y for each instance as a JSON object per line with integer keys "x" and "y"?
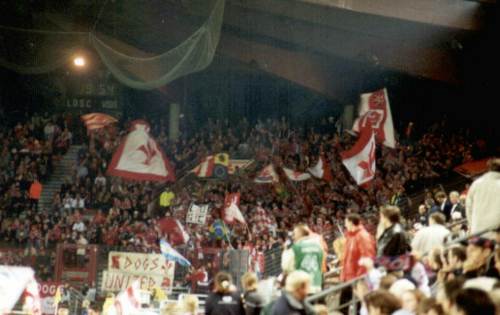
{"x": 62, "y": 169}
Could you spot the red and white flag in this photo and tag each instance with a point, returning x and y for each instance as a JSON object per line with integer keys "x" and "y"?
{"x": 231, "y": 209}
{"x": 140, "y": 158}
{"x": 267, "y": 175}
{"x": 177, "y": 235}
{"x": 360, "y": 159}
{"x": 32, "y": 302}
{"x": 321, "y": 170}
{"x": 206, "y": 167}
{"x": 296, "y": 176}
{"x": 13, "y": 282}
{"x": 97, "y": 120}
{"x": 375, "y": 114}
{"x": 128, "y": 302}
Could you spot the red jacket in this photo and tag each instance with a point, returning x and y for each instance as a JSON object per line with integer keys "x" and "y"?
{"x": 359, "y": 243}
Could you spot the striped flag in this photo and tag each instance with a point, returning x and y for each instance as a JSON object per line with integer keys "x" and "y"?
{"x": 205, "y": 168}
{"x": 171, "y": 254}
{"x": 95, "y": 121}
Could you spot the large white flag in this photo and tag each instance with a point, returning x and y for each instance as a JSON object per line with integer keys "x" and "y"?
{"x": 375, "y": 114}
{"x": 140, "y": 158}
{"x": 13, "y": 281}
{"x": 296, "y": 176}
{"x": 360, "y": 159}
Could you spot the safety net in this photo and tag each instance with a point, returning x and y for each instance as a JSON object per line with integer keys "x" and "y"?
{"x": 44, "y": 51}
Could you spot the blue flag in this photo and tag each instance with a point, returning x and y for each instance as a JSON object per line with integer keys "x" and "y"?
{"x": 172, "y": 254}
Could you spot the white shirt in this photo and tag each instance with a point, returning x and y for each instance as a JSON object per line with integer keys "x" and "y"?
{"x": 483, "y": 202}
{"x": 429, "y": 238}
{"x": 79, "y": 227}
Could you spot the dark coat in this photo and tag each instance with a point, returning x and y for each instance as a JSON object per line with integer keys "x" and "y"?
{"x": 393, "y": 242}
{"x": 253, "y": 302}
{"x": 288, "y": 305}
{"x": 224, "y": 304}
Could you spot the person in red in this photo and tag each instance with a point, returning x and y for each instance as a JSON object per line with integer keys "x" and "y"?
{"x": 359, "y": 244}
{"x": 35, "y": 192}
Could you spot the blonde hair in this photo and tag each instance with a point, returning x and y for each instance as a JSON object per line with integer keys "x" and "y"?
{"x": 296, "y": 280}
{"x": 249, "y": 281}
{"x": 190, "y": 304}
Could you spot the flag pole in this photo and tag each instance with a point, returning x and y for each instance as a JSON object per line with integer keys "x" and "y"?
{"x": 227, "y": 234}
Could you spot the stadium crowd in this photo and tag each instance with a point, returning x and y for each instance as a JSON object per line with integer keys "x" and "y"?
{"x": 92, "y": 208}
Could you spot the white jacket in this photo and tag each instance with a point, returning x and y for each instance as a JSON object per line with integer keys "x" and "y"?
{"x": 483, "y": 202}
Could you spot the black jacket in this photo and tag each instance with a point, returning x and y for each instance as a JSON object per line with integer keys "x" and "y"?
{"x": 253, "y": 302}
{"x": 224, "y": 304}
{"x": 288, "y": 305}
{"x": 393, "y": 242}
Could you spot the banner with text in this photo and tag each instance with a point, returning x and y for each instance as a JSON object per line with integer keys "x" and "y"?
{"x": 47, "y": 292}
{"x": 197, "y": 214}
{"x": 150, "y": 269}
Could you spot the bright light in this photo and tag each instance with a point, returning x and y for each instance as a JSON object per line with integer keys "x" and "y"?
{"x": 79, "y": 61}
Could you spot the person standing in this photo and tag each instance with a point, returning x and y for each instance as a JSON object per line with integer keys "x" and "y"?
{"x": 393, "y": 240}
{"x": 292, "y": 299}
{"x": 483, "y": 203}
{"x": 359, "y": 244}
{"x": 431, "y": 236}
{"x": 305, "y": 254}
{"x": 225, "y": 299}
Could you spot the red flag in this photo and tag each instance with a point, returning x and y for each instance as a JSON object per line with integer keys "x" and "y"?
{"x": 32, "y": 300}
{"x": 267, "y": 175}
{"x": 321, "y": 170}
{"x": 375, "y": 114}
{"x": 296, "y": 176}
{"x": 140, "y": 158}
{"x": 173, "y": 228}
{"x": 97, "y": 120}
{"x": 231, "y": 209}
{"x": 360, "y": 159}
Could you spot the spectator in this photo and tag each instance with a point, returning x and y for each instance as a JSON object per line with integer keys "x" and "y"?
{"x": 483, "y": 197}
{"x": 252, "y": 300}
{"x": 305, "y": 254}
{"x": 381, "y": 302}
{"x": 472, "y": 302}
{"x": 456, "y": 206}
{"x": 292, "y": 298}
{"x": 431, "y": 236}
{"x": 393, "y": 241}
{"x": 224, "y": 300}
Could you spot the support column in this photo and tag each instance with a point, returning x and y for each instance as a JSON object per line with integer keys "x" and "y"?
{"x": 348, "y": 117}
{"x": 173, "y": 123}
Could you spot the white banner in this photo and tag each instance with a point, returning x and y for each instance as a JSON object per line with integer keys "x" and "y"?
{"x": 116, "y": 281}
{"x": 150, "y": 269}
{"x": 197, "y": 214}
{"x": 139, "y": 263}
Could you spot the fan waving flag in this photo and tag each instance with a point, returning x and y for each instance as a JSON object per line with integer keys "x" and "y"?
{"x": 173, "y": 255}
{"x": 177, "y": 235}
{"x": 296, "y": 176}
{"x": 375, "y": 114}
{"x": 206, "y": 167}
{"x": 231, "y": 209}
{"x": 267, "y": 176}
{"x": 321, "y": 170}
{"x": 140, "y": 158}
{"x": 95, "y": 121}
{"x": 360, "y": 159}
